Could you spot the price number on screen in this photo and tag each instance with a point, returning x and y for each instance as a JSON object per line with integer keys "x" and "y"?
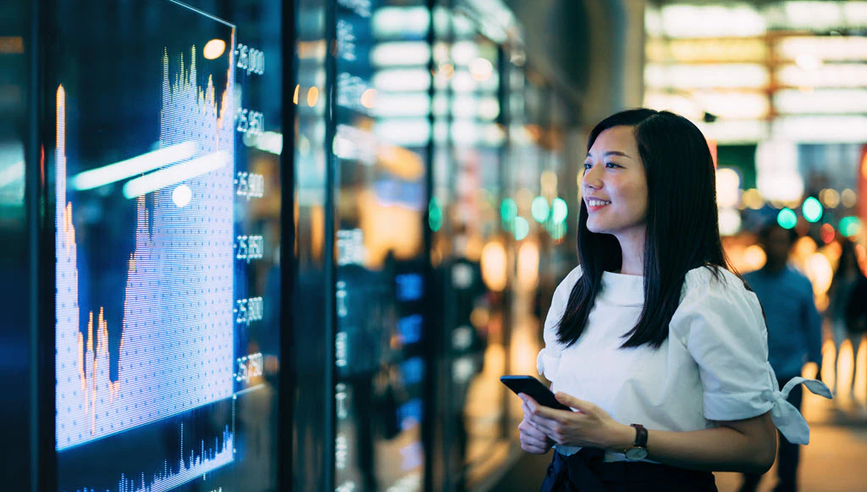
{"x": 249, "y": 310}
{"x": 249, "y": 248}
{"x": 250, "y": 185}
{"x": 250, "y": 122}
{"x": 250, "y": 59}
{"x": 249, "y": 367}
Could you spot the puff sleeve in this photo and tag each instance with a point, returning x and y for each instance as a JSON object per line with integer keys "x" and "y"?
{"x": 722, "y": 326}
{"x": 548, "y": 359}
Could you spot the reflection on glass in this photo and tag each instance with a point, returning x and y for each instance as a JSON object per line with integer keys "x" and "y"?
{"x": 468, "y": 252}
{"x": 381, "y": 134}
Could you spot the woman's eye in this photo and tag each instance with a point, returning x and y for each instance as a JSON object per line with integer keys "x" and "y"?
{"x": 586, "y": 166}
{"x": 611, "y": 165}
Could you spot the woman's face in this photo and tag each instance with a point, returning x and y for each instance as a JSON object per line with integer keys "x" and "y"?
{"x": 614, "y": 186}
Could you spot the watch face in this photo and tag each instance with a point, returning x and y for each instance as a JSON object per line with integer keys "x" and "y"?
{"x": 636, "y": 453}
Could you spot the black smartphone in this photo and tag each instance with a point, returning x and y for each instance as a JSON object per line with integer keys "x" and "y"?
{"x": 535, "y": 389}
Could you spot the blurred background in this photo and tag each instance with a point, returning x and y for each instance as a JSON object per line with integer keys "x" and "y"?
{"x": 421, "y": 162}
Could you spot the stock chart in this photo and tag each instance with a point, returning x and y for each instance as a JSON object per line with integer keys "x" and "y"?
{"x": 162, "y": 335}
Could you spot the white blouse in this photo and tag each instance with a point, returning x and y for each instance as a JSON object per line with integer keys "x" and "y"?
{"x": 712, "y": 367}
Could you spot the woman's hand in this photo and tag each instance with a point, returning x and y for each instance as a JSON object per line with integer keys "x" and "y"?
{"x": 589, "y": 425}
{"x": 532, "y": 439}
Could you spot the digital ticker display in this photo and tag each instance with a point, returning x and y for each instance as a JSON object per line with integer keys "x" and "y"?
{"x": 166, "y": 242}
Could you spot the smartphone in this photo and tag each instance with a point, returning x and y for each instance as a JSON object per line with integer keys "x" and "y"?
{"x": 535, "y": 389}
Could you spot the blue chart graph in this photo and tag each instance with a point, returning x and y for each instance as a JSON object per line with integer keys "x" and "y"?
{"x": 176, "y": 349}
{"x": 186, "y": 469}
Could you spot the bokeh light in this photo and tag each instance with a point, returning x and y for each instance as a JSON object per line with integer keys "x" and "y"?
{"x": 729, "y": 222}
{"x": 820, "y": 273}
{"x": 753, "y": 199}
{"x": 849, "y": 198}
{"x": 559, "y": 210}
{"x": 435, "y": 214}
{"x": 368, "y": 98}
{"x": 528, "y": 266}
{"x": 827, "y": 233}
{"x": 214, "y": 49}
{"x": 787, "y": 218}
{"x": 850, "y": 226}
{"x": 493, "y": 265}
{"x": 829, "y": 197}
{"x": 312, "y": 96}
{"x": 508, "y": 212}
{"x": 548, "y": 180}
{"x": 812, "y": 209}
{"x": 540, "y": 209}
{"x": 727, "y": 187}
{"x": 522, "y": 228}
{"x": 754, "y": 257}
{"x": 182, "y": 195}
{"x": 804, "y": 248}
{"x": 481, "y": 69}
{"x": 558, "y": 230}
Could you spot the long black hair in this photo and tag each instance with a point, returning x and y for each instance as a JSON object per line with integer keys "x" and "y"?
{"x": 682, "y": 225}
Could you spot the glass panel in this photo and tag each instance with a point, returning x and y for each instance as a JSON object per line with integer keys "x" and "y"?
{"x": 165, "y": 169}
{"x": 311, "y": 423}
{"x": 470, "y": 246}
{"x": 380, "y": 148}
{"x": 475, "y": 271}
{"x": 16, "y": 299}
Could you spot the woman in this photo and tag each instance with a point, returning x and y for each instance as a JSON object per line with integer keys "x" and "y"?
{"x": 659, "y": 349}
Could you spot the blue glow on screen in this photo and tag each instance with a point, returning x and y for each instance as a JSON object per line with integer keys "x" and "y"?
{"x": 409, "y": 287}
{"x": 410, "y": 328}
{"x": 410, "y": 413}
{"x": 412, "y": 370}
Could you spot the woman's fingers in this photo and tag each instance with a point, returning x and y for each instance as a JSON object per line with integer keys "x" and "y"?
{"x": 533, "y": 449}
{"x": 528, "y": 428}
{"x": 547, "y": 426}
{"x": 533, "y": 444}
{"x": 532, "y": 439}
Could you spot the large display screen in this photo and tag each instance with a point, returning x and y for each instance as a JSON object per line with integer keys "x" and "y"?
{"x": 166, "y": 174}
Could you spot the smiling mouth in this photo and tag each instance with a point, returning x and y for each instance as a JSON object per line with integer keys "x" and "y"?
{"x": 597, "y": 203}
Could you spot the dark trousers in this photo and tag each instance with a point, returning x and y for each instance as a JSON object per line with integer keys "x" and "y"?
{"x": 787, "y": 458}
{"x": 585, "y": 471}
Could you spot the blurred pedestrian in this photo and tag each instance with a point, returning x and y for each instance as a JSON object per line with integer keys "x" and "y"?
{"x": 845, "y": 278}
{"x": 856, "y": 315}
{"x": 794, "y": 334}
{"x": 659, "y": 348}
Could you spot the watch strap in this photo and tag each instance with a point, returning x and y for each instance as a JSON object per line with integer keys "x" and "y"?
{"x": 640, "y": 435}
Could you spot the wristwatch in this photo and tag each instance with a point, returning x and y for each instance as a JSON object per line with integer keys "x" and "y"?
{"x": 638, "y": 451}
